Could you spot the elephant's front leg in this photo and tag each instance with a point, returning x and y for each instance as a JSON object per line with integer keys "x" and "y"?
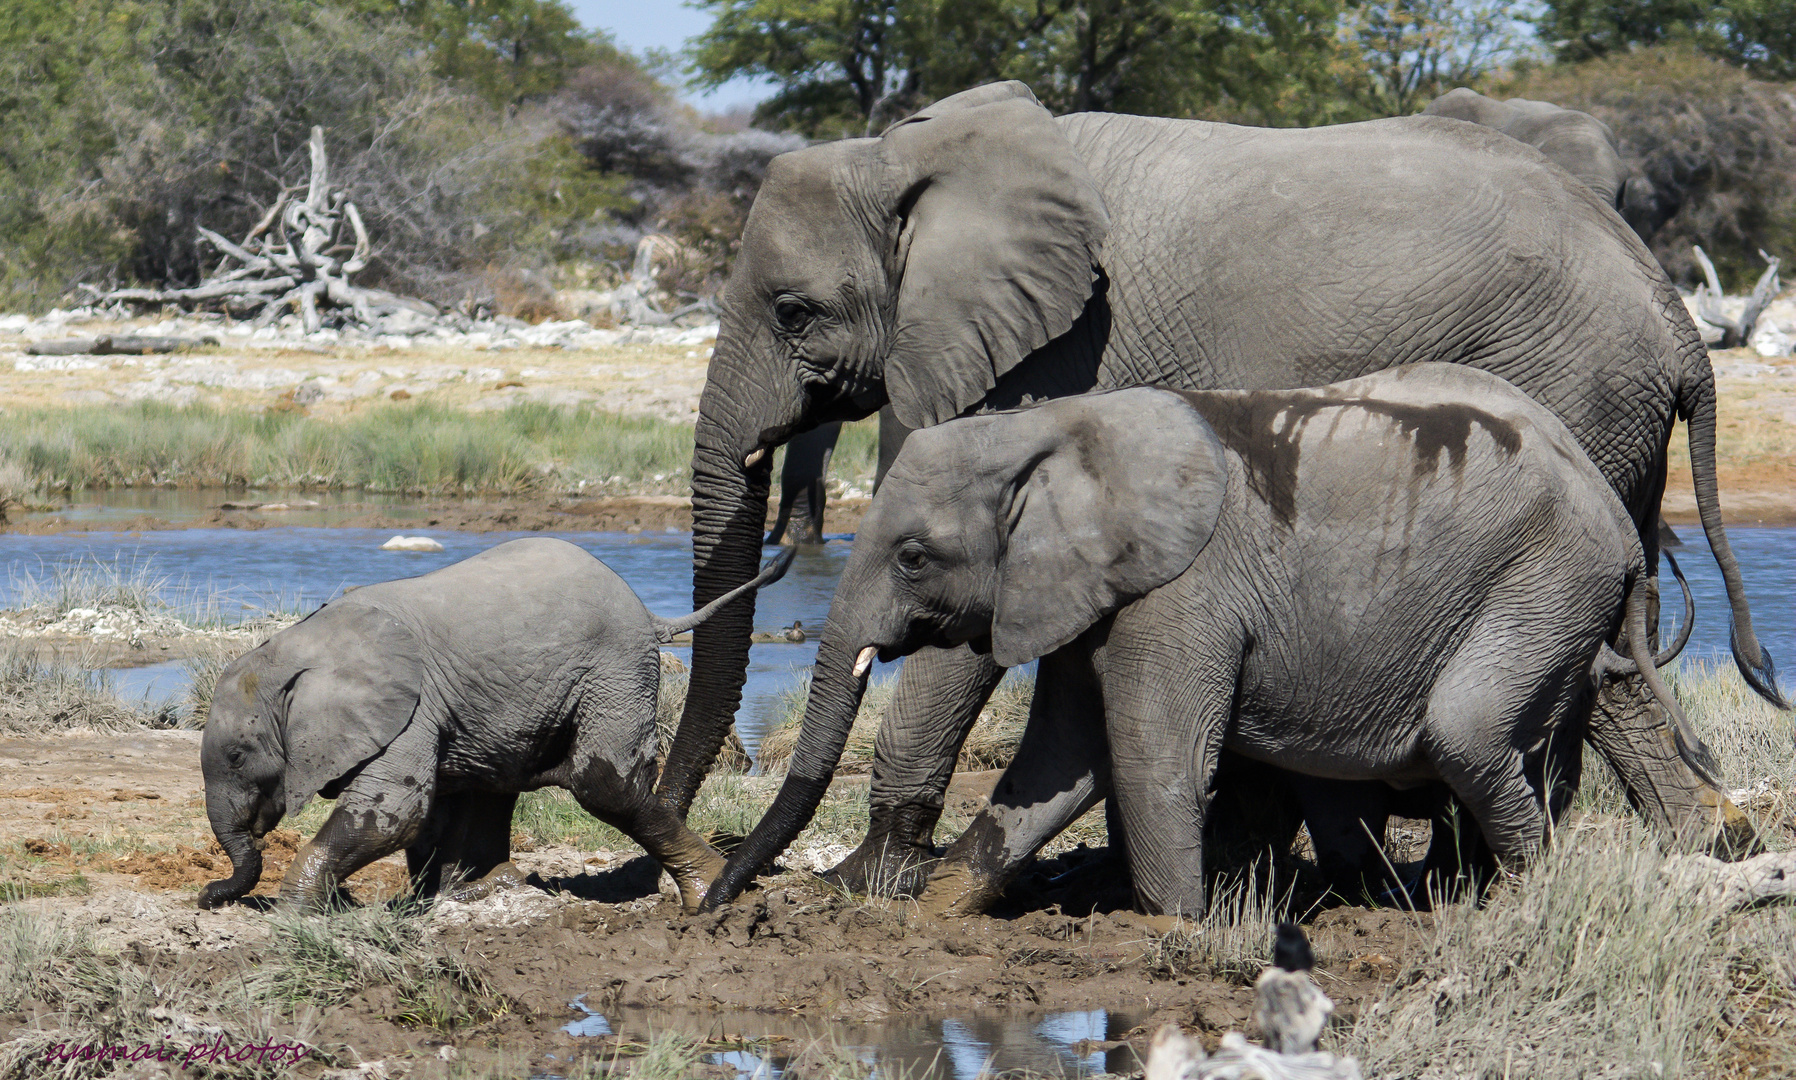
{"x": 385, "y": 808}
{"x": 935, "y": 704}
{"x": 468, "y": 848}
{"x": 1061, "y": 770}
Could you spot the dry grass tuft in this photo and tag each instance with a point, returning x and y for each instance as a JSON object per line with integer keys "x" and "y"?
{"x": 990, "y": 745}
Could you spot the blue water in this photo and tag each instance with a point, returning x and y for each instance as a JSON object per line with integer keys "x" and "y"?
{"x": 965, "y": 1047}
{"x": 298, "y": 568}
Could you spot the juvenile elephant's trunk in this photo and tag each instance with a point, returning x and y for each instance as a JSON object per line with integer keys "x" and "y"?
{"x": 246, "y": 862}
{"x": 836, "y": 692}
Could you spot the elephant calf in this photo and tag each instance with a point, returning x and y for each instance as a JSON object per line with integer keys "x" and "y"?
{"x": 425, "y": 705}
{"x": 1408, "y": 577}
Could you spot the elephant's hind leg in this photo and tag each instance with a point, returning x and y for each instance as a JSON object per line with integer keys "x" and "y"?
{"x": 1504, "y": 729}
{"x": 468, "y": 848}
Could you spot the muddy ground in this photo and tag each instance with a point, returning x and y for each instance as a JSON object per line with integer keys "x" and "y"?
{"x": 108, "y": 831}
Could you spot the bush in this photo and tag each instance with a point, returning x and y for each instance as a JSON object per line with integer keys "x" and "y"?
{"x": 1719, "y": 143}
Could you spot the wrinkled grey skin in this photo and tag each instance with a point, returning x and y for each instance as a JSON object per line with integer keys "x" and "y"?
{"x": 983, "y": 251}
{"x": 1575, "y": 141}
{"x": 425, "y": 705}
{"x": 1408, "y": 578}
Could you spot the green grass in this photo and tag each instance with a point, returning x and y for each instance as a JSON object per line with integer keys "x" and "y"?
{"x": 413, "y": 447}
{"x": 410, "y": 447}
{"x": 990, "y": 745}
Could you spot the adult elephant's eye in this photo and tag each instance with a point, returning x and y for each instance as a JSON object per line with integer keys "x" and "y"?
{"x": 793, "y": 315}
{"x": 912, "y": 558}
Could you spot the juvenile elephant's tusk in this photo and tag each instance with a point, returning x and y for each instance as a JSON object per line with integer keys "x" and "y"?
{"x": 754, "y": 457}
{"x": 865, "y": 660}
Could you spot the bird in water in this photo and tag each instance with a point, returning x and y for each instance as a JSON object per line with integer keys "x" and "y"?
{"x": 794, "y": 633}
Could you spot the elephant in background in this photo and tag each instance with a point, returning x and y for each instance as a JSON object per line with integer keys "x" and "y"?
{"x": 983, "y": 253}
{"x": 1575, "y": 141}
{"x": 1409, "y": 577}
{"x": 425, "y": 705}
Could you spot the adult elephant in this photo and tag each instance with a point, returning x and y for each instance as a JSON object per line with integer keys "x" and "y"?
{"x": 1575, "y": 141}
{"x": 983, "y": 252}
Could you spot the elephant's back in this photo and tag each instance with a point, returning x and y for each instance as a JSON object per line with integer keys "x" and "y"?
{"x": 1272, "y": 258}
{"x": 533, "y": 594}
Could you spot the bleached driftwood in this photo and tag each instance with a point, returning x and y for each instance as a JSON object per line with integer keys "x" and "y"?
{"x": 117, "y": 344}
{"x": 1734, "y": 332}
{"x": 1731, "y": 886}
{"x": 299, "y": 257}
{"x": 1292, "y": 1013}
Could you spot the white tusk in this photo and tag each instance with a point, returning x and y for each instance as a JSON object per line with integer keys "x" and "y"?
{"x": 754, "y": 457}
{"x": 865, "y": 660}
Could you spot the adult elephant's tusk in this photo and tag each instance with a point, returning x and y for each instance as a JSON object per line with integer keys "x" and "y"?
{"x": 754, "y": 457}
{"x": 865, "y": 660}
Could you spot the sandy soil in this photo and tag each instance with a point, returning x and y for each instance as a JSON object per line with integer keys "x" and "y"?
{"x": 126, "y": 813}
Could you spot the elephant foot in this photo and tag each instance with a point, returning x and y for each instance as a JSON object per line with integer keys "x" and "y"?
{"x": 1729, "y": 832}
{"x": 896, "y": 857}
{"x": 956, "y": 891}
{"x": 504, "y": 876}
{"x": 693, "y": 871}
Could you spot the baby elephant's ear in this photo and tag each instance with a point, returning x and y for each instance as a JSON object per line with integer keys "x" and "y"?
{"x": 1119, "y": 494}
{"x": 358, "y": 673}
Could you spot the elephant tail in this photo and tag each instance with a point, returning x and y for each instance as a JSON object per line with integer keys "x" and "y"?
{"x": 771, "y": 571}
{"x": 1613, "y": 663}
{"x": 1690, "y": 746}
{"x": 1696, "y": 404}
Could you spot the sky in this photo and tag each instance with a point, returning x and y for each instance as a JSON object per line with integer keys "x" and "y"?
{"x": 665, "y": 24}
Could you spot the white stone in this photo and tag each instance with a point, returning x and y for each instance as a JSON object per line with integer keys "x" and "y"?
{"x": 411, "y": 543}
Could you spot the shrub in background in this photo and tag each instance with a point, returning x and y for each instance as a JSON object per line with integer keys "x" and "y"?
{"x": 1708, "y": 135}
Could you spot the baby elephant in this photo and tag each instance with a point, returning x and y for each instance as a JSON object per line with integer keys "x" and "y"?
{"x": 425, "y": 705}
{"x": 1408, "y": 578}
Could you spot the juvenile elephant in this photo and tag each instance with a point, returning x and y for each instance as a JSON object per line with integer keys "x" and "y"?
{"x": 1575, "y": 141}
{"x": 425, "y": 705}
{"x": 984, "y": 252}
{"x": 1408, "y": 577}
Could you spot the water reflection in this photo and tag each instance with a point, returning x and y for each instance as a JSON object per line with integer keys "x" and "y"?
{"x": 1069, "y": 1044}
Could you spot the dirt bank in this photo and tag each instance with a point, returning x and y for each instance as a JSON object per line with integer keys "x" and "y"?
{"x": 628, "y": 513}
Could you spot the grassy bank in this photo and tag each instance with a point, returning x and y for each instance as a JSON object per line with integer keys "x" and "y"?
{"x": 414, "y": 447}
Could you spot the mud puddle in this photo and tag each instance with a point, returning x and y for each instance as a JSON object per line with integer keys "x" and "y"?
{"x": 1072, "y": 1043}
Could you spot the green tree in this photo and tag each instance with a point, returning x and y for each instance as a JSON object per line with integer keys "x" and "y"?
{"x": 508, "y": 50}
{"x": 1398, "y": 55}
{"x": 1759, "y": 35}
{"x": 855, "y": 65}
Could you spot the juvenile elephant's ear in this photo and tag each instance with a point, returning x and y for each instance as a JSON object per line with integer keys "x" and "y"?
{"x": 357, "y": 674}
{"x": 1116, "y": 499}
{"x": 999, "y": 230}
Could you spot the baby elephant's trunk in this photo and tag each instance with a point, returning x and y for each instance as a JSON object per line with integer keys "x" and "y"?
{"x": 246, "y": 866}
{"x": 774, "y": 569}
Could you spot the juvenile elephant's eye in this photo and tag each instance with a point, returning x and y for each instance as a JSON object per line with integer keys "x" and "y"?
{"x": 793, "y": 315}
{"x": 235, "y": 757}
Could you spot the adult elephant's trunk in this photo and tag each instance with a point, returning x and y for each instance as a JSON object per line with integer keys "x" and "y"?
{"x": 729, "y": 513}
{"x": 233, "y": 832}
{"x": 829, "y": 711}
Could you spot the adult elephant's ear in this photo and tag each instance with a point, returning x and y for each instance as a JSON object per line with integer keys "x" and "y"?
{"x": 997, "y": 232}
{"x": 359, "y": 673}
{"x": 1115, "y": 494}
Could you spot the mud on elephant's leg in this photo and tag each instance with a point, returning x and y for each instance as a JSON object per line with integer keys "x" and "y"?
{"x": 1629, "y": 729}
{"x": 466, "y": 851}
{"x": 1061, "y": 770}
{"x": 933, "y": 707}
{"x": 355, "y": 835}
